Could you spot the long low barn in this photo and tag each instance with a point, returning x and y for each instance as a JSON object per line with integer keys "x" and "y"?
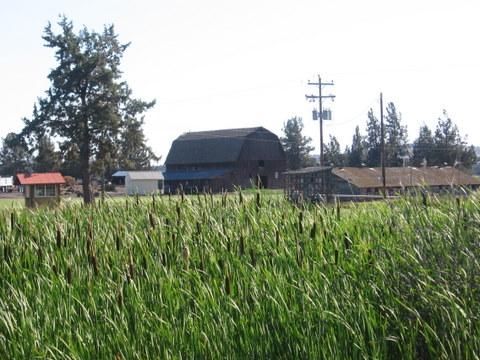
{"x": 312, "y": 181}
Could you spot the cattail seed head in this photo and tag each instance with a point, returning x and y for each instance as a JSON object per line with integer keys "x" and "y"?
{"x": 186, "y": 256}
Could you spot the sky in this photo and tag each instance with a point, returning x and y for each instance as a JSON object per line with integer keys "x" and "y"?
{"x": 217, "y": 64}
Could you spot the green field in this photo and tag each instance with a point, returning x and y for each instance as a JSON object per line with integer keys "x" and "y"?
{"x": 241, "y": 277}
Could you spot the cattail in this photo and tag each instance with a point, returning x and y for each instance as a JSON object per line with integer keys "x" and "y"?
{"x": 186, "y": 256}
{"x": 131, "y": 267}
{"x": 94, "y": 264}
{"x": 338, "y": 209}
{"x": 299, "y": 254}
{"x": 59, "y": 237}
{"x": 240, "y": 197}
{"x": 253, "y": 259}
{"x": 120, "y": 298}
{"x": 277, "y": 238}
{"x": 257, "y": 201}
{"x": 242, "y": 246}
{"x": 144, "y": 263}
{"x": 68, "y": 275}
{"x": 300, "y": 222}
{"x": 336, "y": 257}
{"x": 227, "y": 284}
{"x": 12, "y": 221}
{"x": 424, "y": 199}
{"x": 151, "y": 218}
{"x": 118, "y": 242}
{"x": 179, "y": 213}
{"x": 313, "y": 231}
{"x": 137, "y": 199}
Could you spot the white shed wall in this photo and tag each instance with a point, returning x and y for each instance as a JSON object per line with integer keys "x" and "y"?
{"x": 141, "y": 187}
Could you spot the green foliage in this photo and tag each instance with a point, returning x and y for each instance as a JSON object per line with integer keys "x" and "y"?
{"x": 333, "y": 155}
{"x": 396, "y": 137}
{"x": 249, "y": 277}
{"x": 423, "y": 147}
{"x": 47, "y": 158}
{"x": 87, "y": 103}
{"x": 297, "y": 147}
{"x": 14, "y": 155}
{"x": 373, "y": 140}
{"x": 445, "y": 147}
{"x": 356, "y": 153}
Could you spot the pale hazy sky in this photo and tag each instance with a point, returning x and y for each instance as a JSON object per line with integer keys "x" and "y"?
{"x": 215, "y": 64}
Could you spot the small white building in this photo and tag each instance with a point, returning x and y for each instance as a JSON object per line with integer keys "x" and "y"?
{"x": 143, "y": 182}
{"x": 6, "y": 184}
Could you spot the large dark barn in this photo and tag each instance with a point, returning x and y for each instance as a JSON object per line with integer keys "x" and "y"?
{"x": 221, "y": 160}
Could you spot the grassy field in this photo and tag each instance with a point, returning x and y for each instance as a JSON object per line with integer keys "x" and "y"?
{"x": 241, "y": 277}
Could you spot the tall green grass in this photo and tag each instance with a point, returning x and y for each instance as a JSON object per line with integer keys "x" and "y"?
{"x": 241, "y": 277}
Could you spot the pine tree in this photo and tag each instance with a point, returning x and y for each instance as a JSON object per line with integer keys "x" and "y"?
{"x": 134, "y": 153}
{"x": 356, "y": 153}
{"x": 449, "y": 147}
{"x": 297, "y": 147}
{"x": 396, "y": 137}
{"x": 423, "y": 147}
{"x": 14, "y": 155}
{"x": 87, "y": 102}
{"x": 333, "y": 154}
{"x": 373, "y": 140}
{"x": 47, "y": 158}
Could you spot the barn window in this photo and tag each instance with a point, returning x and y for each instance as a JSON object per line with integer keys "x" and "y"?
{"x": 261, "y": 163}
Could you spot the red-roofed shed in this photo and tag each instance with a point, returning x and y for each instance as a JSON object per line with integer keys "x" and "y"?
{"x": 41, "y": 188}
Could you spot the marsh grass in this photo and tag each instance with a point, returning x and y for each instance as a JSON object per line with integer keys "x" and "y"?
{"x": 241, "y": 276}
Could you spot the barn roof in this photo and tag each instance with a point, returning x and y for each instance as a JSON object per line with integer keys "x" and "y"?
{"x": 40, "y": 178}
{"x": 144, "y": 175}
{"x": 120, "y": 173}
{"x": 217, "y": 146}
{"x": 405, "y": 176}
{"x": 307, "y": 170}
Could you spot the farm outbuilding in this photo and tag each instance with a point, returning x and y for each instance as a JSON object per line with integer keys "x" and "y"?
{"x": 6, "y": 183}
{"x": 118, "y": 177}
{"x": 41, "y": 189}
{"x": 353, "y": 182}
{"x": 221, "y": 160}
{"x": 143, "y": 182}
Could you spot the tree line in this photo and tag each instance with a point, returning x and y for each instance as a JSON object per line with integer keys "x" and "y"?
{"x": 439, "y": 147}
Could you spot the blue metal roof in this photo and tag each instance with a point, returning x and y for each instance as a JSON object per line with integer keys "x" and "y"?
{"x": 194, "y": 175}
{"x": 120, "y": 173}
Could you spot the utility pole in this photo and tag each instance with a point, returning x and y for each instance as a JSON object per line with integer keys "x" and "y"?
{"x": 382, "y": 148}
{"x": 320, "y": 97}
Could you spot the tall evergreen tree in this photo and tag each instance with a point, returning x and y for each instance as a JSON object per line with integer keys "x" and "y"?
{"x": 134, "y": 153}
{"x": 87, "y": 102}
{"x": 373, "y": 140}
{"x": 333, "y": 154}
{"x": 70, "y": 162}
{"x": 450, "y": 148}
{"x": 297, "y": 147}
{"x": 423, "y": 147}
{"x": 396, "y": 136}
{"x": 14, "y": 155}
{"x": 47, "y": 158}
{"x": 356, "y": 153}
